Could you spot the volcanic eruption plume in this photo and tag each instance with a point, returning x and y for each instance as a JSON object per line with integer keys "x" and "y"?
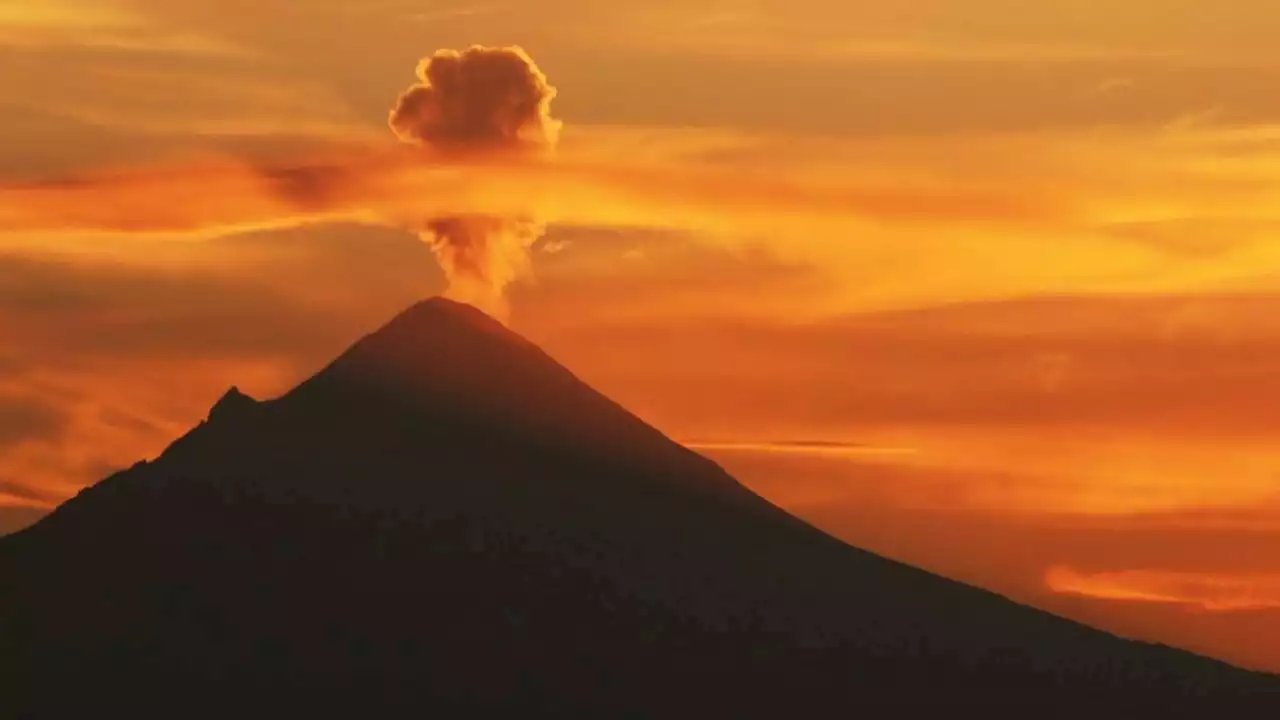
{"x": 474, "y": 174}
{"x": 482, "y": 101}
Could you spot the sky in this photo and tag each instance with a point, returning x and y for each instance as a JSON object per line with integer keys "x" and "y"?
{"x": 987, "y": 286}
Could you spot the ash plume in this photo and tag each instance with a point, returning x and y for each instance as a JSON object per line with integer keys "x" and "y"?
{"x": 481, "y": 101}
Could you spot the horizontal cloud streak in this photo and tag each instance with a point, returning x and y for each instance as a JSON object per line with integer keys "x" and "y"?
{"x": 891, "y": 224}
{"x": 800, "y": 447}
{"x": 222, "y": 196}
{"x": 13, "y": 494}
{"x": 86, "y": 24}
{"x": 1208, "y": 591}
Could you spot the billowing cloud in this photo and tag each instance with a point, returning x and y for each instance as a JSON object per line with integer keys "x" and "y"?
{"x": 483, "y": 99}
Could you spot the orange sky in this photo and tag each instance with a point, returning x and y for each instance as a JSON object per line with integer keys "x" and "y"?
{"x": 985, "y": 286}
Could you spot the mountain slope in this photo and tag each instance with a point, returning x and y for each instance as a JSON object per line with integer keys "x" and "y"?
{"x": 445, "y": 519}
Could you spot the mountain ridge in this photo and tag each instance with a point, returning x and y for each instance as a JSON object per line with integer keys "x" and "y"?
{"x": 448, "y": 515}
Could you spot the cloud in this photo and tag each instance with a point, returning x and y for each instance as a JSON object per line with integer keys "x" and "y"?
{"x": 223, "y": 196}
{"x": 925, "y": 516}
{"x": 84, "y": 106}
{"x": 163, "y": 344}
{"x": 1113, "y": 85}
{"x": 195, "y": 100}
{"x": 1089, "y": 406}
{"x": 47, "y": 24}
{"x": 962, "y": 77}
{"x": 1031, "y": 476}
{"x": 60, "y": 308}
{"x": 805, "y": 448}
{"x": 1214, "y": 592}
{"x": 24, "y": 418}
{"x": 482, "y": 99}
{"x": 1183, "y": 365}
{"x": 291, "y": 293}
{"x": 887, "y": 224}
{"x": 13, "y": 494}
{"x": 635, "y": 277}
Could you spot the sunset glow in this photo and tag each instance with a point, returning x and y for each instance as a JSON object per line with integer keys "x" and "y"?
{"x": 988, "y": 287}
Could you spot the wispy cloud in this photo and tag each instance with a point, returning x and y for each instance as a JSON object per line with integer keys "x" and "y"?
{"x": 964, "y": 32}
{"x": 1214, "y": 592}
{"x": 1078, "y": 213}
{"x": 404, "y": 186}
{"x": 808, "y": 448}
{"x": 43, "y": 24}
{"x": 15, "y": 495}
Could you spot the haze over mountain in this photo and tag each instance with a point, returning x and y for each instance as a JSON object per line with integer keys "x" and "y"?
{"x": 445, "y": 519}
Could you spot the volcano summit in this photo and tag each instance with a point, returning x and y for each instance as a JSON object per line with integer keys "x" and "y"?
{"x": 446, "y": 520}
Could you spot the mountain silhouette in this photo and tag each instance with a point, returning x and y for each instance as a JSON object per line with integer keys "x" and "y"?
{"x": 444, "y": 520}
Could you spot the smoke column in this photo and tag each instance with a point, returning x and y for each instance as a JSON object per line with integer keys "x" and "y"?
{"x": 481, "y": 101}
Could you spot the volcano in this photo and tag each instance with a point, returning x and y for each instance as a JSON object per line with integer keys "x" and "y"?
{"x": 446, "y": 521}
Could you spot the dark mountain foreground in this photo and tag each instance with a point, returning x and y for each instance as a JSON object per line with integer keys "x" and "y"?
{"x": 444, "y": 522}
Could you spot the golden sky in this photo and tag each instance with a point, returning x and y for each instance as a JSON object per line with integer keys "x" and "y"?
{"x": 988, "y": 286}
